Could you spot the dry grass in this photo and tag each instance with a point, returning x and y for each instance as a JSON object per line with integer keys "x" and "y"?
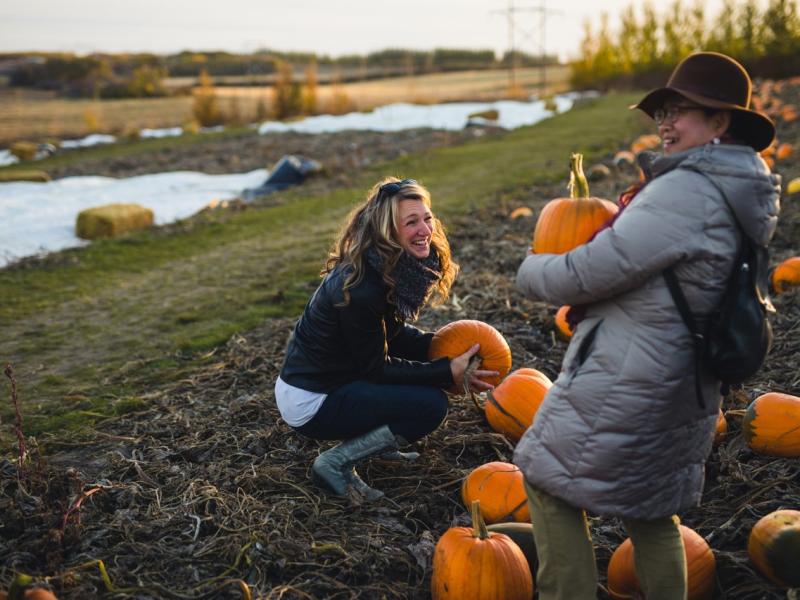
{"x": 36, "y": 116}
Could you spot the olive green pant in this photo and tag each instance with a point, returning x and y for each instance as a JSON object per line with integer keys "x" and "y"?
{"x": 567, "y": 568}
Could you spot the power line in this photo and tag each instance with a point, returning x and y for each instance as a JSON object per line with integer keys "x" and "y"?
{"x": 511, "y": 13}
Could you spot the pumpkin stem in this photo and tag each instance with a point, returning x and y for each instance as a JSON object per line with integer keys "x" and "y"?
{"x": 473, "y": 364}
{"x": 578, "y": 184}
{"x": 478, "y": 524}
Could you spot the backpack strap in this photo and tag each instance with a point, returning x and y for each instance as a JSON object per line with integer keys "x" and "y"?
{"x": 683, "y": 306}
{"x": 686, "y": 314}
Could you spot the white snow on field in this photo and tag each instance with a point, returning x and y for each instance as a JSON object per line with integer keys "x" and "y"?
{"x": 395, "y": 117}
{"x": 40, "y": 217}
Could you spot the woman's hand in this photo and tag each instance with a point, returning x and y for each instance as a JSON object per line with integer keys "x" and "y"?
{"x": 461, "y": 364}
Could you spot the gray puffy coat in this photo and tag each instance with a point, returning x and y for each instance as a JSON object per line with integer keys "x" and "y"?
{"x": 621, "y": 432}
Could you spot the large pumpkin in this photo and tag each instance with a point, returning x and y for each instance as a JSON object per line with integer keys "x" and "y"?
{"x": 475, "y": 564}
{"x": 774, "y": 547}
{"x": 771, "y": 424}
{"x": 786, "y": 275}
{"x": 512, "y": 405}
{"x": 623, "y": 583}
{"x": 566, "y": 223}
{"x": 500, "y": 489}
{"x": 457, "y": 337}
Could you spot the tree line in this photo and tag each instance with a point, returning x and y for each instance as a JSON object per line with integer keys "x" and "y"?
{"x": 646, "y": 45}
{"x": 144, "y": 75}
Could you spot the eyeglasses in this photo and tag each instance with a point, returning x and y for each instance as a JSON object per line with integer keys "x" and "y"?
{"x": 672, "y": 113}
{"x": 390, "y": 189}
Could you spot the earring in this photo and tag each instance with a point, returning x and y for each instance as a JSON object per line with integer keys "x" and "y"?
{"x": 715, "y": 141}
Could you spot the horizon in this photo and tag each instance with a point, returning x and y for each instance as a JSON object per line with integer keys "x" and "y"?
{"x": 245, "y": 26}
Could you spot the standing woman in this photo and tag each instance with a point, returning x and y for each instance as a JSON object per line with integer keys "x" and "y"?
{"x": 622, "y": 431}
{"x": 355, "y": 370}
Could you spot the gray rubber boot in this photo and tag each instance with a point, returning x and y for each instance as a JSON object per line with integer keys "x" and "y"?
{"x": 333, "y": 469}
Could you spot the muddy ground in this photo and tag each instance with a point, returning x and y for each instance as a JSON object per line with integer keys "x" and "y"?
{"x": 206, "y": 493}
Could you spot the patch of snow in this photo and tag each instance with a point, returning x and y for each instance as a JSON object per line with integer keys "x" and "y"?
{"x": 452, "y": 116}
{"x": 6, "y": 158}
{"x": 89, "y": 140}
{"x": 40, "y": 217}
{"x": 161, "y": 133}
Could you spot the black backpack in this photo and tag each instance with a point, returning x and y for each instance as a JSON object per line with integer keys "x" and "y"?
{"x": 738, "y": 334}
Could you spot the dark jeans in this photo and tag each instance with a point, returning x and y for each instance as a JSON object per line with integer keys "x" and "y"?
{"x": 410, "y": 411}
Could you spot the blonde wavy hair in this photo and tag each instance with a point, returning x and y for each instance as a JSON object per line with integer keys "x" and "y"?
{"x": 373, "y": 223}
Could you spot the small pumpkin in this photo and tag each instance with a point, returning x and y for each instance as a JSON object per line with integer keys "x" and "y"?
{"x": 647, "y": 141}
{"x": 788, "y": 113}
{"x": 793, "y": 186}
{"x": 566, "y": 223}
{"x": 457, "y": 337}
{"x": 521, "y": 212}
{"x": 476, "y": 564}
{"x": 500, "y": 489}
{"x": 784, "y": 151}
{"x": 722, "y": 427}
{"x": 623, "y": 583}
{"x": 562, "y": 325}
{"x": 624, "y": 159}
{"x": 774, "y": 547}
{"x": 786, "y": 275}
{"x": 512, "y": 405}
{"x": 771, "y": 424}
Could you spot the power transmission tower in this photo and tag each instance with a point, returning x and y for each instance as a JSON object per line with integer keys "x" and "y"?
{"x": 510, "y": 14}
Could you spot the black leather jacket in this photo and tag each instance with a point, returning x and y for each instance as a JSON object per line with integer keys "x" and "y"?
{"x": 365, "y": 340}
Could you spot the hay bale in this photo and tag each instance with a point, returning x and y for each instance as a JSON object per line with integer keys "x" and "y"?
{"x": 26, "y": 175}
{"x": 24, "y": 150}
{"x": 112, "y": 220}
{"x": 490, "y": 115}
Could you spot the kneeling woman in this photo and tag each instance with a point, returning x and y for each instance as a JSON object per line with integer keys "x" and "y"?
{"x": 355, "y": 370}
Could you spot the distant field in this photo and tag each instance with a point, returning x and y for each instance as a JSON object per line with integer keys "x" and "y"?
{"x": 37, "y": 116}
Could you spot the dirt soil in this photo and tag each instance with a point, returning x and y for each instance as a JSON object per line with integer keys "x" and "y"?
{"x": 206, "y": 493}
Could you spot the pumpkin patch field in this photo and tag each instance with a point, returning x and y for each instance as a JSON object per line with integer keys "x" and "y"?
{"x": 202, "y": 491}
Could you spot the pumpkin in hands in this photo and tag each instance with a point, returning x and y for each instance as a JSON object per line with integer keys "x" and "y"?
{"x": 476, "y": 564}
{"x": 566, "y": 223}
{"x": 623, "y": 583}
{"x": 512, "y": 405}
{"x": 455, "y": 338}
{"x": 500, "y": 489}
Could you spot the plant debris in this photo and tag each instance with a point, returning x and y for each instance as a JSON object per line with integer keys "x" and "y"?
{"x": 206, "y": 493}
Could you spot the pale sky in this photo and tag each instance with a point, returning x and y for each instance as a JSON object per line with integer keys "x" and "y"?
{"x": 333, "y": 27}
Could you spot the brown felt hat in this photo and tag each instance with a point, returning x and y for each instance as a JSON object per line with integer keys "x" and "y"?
{"x": 716, "y": 81}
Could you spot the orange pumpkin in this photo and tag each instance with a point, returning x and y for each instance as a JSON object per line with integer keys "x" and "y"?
{"x": 512, "y": 405}
{"x": 771, "y": 424}
{"x": 624, "y": 159}
{"x": 39, "y": 594}
{"x": 788, "y": 113}
{"x": 774, "y": 545}
{"x": 566, "y": 223}
{"x": 457, "y": 337}
{"x": 786, "y": 275}
{"x": 500, "y": 489}
{"x": 784, "y": 151}
{"x": 722, "y": 427}
{"x": 562, "y": 325}
{"x": 520, "y": 212}
{"x": 623, "y": 583}
{"x": 648, "y": 141}
{"x": 476, "y": 564}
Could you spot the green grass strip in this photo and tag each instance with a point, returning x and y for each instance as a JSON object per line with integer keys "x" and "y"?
{"x": 103, "y": 324}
